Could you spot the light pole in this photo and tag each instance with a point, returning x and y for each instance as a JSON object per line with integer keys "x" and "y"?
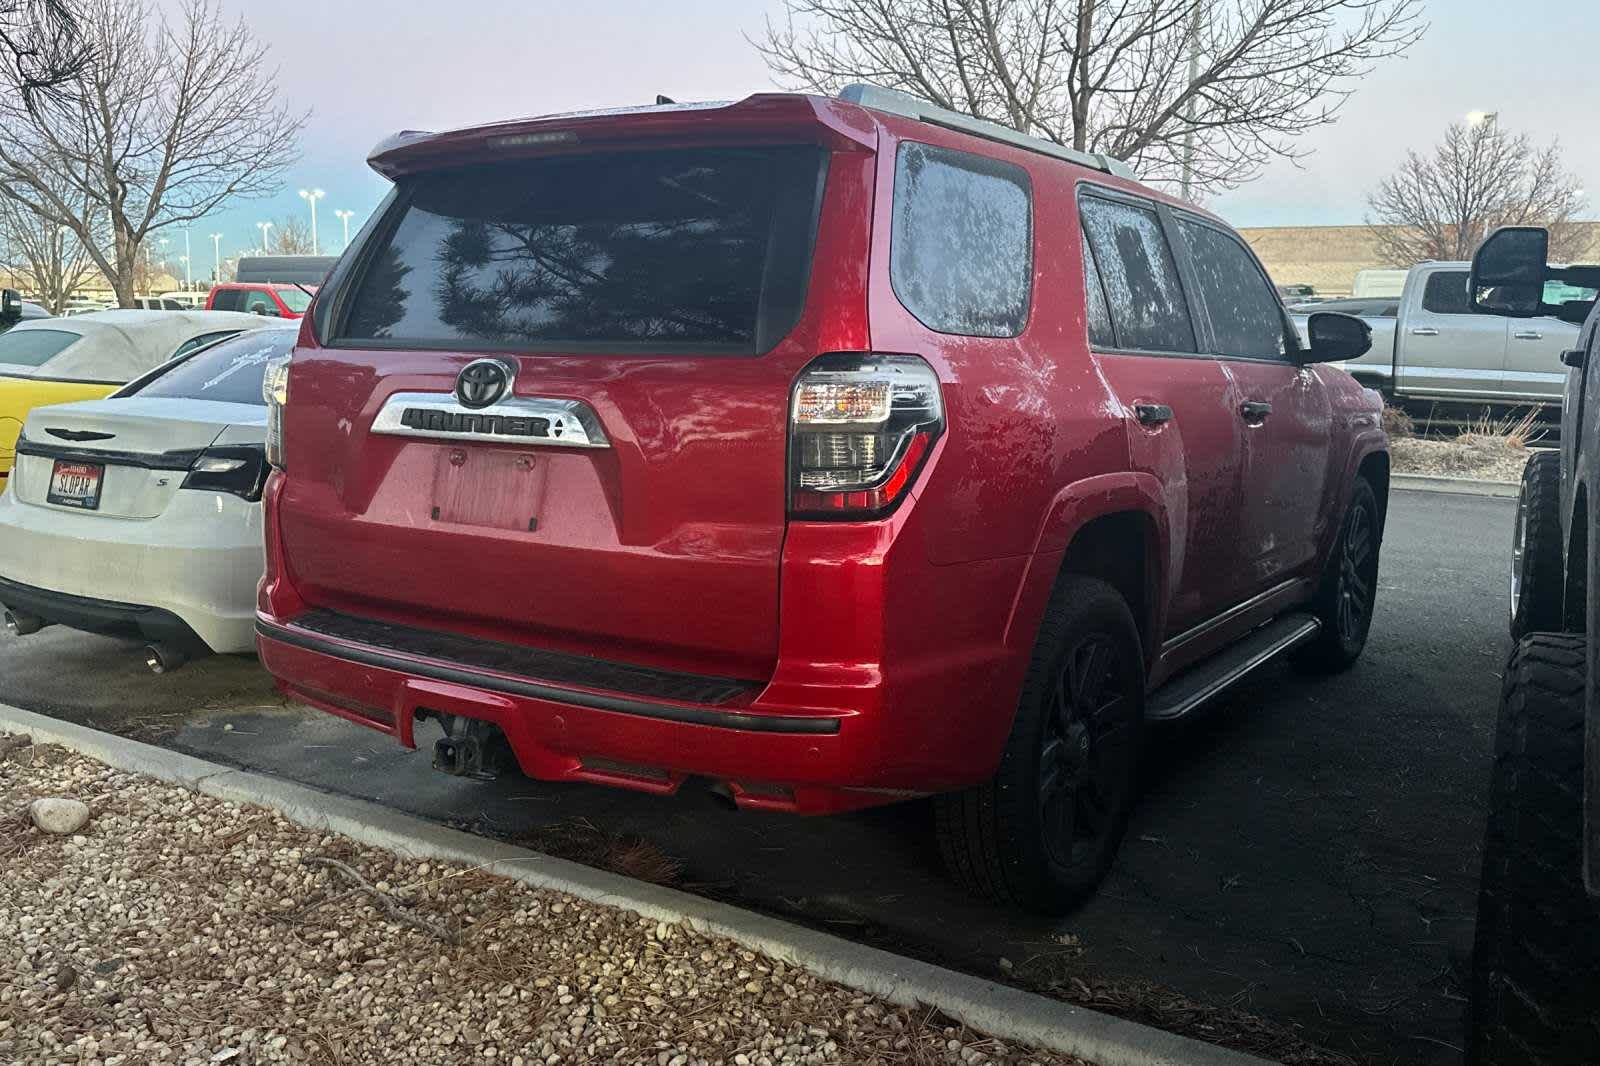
{"x": 345, "y": 216}
{"x": 311, "y": 196}
{"x": 263, "y": 227}
{"x": 216, "y": 258}
{"x": 188, "y": 274}
{"x": 1480, "y": 118}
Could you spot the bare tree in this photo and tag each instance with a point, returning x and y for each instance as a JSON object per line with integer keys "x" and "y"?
{"x": 45, "y": 257}
{"x": 41, "y": 47}
{"x": 291, "y": 236}
{"x": 170, "y": 120}
{"x": 1442, "y": 205}
{"x": 1199, "y": 94}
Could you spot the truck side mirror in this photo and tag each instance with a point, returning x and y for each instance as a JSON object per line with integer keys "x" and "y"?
{"x": 1508, "y": 272}
{"x": 10, "y": 305}
{"x": 1335, "y": 337}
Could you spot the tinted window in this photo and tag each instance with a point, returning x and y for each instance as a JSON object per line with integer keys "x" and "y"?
{"x": 1446, "y": 293}
{"x": 961, "y": 251}
{"x": 229, "y": 371}
{"x": 229, "y": 300}
{"x": 1099, "y": 315}
{"x": 33, "y": 347}
{"x": 1246, "y": 314}
{"x": 702, "y": 247}
{"x": 1141, "y": 280}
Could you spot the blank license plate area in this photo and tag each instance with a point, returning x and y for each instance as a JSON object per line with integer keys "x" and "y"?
{"x": 76, "y": 484}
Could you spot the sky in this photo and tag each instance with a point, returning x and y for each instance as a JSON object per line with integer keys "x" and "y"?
{"x": 366, "y": 68}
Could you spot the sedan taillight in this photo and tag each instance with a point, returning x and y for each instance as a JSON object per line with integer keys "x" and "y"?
{"x": 860, "y": 426}
{"x": 239, "y": 470}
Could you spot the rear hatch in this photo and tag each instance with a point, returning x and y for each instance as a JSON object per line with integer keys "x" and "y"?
{"x": 120, "y": 458}
{"x": 649, "y": 304}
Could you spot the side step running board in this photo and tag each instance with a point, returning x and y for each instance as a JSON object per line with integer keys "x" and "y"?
{"x": 1199, "y": 683}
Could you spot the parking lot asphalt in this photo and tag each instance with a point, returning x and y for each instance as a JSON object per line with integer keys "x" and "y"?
{"x": 1306, "y": 849}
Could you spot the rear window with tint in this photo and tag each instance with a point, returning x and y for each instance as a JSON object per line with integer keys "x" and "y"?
{"x": 229, "y": 300}
{"x": 229, "y": 371}
{"x": 1141, "y": 280}
{"x": 704, "y": 249}
{"x": 961, "y": 251}
{"x": 1446, "y": 293}
{"x": 33, "y": 347}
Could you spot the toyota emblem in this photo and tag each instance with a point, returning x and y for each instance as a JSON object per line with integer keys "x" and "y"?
{"x": 483, "y": 382}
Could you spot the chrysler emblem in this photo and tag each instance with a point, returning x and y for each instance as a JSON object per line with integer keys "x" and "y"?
{"x": 483, "y": 382}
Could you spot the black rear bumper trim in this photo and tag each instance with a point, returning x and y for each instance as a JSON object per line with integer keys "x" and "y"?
{"x": 98, "y": 616}
{"x": 440, "y": 671}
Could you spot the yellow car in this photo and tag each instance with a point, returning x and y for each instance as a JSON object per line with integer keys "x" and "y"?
{"x": 85, "y": 357}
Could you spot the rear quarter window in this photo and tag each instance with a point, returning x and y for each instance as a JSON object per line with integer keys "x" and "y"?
{"x": 961, "y": 248}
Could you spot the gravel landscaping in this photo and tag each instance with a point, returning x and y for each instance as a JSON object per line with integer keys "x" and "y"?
{"x": 176, "y": 928}
{"x": 1484, "y": 458}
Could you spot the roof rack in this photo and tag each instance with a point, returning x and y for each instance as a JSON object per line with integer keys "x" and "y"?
{"x": 898, "y": 103}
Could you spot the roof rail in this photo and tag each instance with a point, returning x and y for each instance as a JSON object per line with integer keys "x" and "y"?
{"x": 898, "y": 103}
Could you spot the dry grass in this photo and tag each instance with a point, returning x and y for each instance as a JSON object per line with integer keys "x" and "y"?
{"x": 625, "y": 853}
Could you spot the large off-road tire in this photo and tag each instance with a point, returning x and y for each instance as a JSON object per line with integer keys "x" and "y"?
{"x": 1535, "y": 996}
{"x": 1041, "y": 834}
{"x": 1537, "y": 577}
{"x": 1349, "y": 588}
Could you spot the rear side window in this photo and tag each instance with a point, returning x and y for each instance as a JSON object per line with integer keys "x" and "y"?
{"x": 229, "y": 300}
{"x": 705, "y": 248}
{"x": 1446, "y": 293}
{"x": 961, "y": 250}
{"x": 33, "y": 347}
{"x": 1101, "y": 335}
{"x": 229, "y": 371}
{"x": 1245, "y": 311}
{"x": 1142, "y": 289}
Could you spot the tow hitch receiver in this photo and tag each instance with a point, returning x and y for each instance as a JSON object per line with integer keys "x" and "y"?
{"x": 470, "y": 747}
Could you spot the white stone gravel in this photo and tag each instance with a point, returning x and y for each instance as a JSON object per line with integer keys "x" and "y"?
{"x": 176, "y": 928}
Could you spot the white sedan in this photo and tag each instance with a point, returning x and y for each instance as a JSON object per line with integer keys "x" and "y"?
{"x": 140, "y": 514}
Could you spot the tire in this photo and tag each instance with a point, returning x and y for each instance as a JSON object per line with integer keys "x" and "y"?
{"x": 1349, "y": 588}
{"x": 1537, "y": 576}
{"x": 1042, "y": 833}
{"x": 1535, "y": 995}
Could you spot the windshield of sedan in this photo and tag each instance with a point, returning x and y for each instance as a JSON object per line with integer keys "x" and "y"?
{"x": 229, "y": 371}
{"x": 34, "y": 347}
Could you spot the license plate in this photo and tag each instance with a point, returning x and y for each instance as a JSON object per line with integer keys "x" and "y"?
{"x": 76, "y": 484}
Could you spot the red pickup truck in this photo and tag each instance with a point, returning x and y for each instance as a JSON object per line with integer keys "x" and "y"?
{"x": 830, "y": 451}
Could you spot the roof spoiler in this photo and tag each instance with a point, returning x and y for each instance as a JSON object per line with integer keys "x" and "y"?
{"x": 905, "y": 105}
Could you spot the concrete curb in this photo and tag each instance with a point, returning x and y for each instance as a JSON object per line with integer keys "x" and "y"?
{"x": 1466, "y": 486}
{"x": 1007, "y": 1013}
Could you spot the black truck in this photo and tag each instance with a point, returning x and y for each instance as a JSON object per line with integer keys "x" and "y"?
{"x": 1535, "y": 995}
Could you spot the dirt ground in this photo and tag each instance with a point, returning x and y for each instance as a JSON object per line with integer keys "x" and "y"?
{"x": 1485, "y": 458}
{"x": 175, "y": 928}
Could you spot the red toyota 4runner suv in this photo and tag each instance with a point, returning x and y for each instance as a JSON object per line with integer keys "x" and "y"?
{"x": 834, "y": 451}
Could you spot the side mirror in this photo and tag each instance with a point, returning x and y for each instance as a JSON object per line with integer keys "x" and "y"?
{"x": 1335, "y": 337}
{"x": 1508, "y": 272}
{"x": 10, "y": 305}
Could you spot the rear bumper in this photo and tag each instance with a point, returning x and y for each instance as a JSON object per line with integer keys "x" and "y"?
{"x": 771, "y": 758}
{"x": 98, "y": 616}
{"x": 198, "y": 563}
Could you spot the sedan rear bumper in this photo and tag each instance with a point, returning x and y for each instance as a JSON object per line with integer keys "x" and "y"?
{"x": 198, "y": 563}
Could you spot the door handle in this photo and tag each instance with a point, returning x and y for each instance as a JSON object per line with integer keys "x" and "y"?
{"x": 1255, "y": 411}
{"x": 1152, "y": 414}
{"x": 1529, "y": 335}
{"x": 1424, "y": 331}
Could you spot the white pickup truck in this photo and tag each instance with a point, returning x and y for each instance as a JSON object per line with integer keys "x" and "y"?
{"x": 1429, "y": 345}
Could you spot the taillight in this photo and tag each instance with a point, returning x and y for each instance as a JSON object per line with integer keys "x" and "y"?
{"x": 860, "y": 426}
{"x": 240, "y": 470}
{"x": 275, "y": 390}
